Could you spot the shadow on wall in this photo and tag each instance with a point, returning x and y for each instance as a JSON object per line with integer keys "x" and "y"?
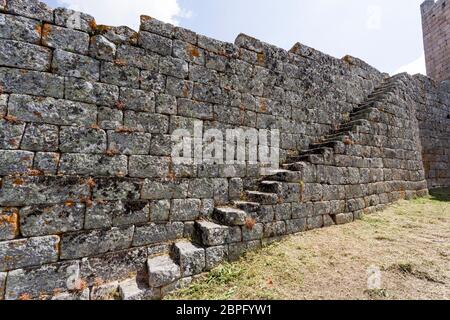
{"x": 441, "y": 194}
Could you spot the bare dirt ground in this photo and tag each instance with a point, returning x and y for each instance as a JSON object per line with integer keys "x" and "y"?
{"x": 409, "y": 244}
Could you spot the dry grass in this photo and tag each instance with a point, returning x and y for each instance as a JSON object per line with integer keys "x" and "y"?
{"x": 409, "y": 243}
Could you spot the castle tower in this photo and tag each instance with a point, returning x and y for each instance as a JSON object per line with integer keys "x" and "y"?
{"x": 436, "y": 35}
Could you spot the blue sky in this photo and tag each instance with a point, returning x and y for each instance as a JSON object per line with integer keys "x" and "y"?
{"x": 385, "y": 33}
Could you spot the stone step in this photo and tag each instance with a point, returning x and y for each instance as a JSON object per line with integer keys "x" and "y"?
{"x": 247, "y": 206}
{"x": 133, "y": 289}
{"x": 295, "y": 166}
{"x": 357, "y": 113}
{"x": 330, "y": 143}
{"x": 211, "y": 234}
{"x": 190, "y": 257}
{"x": 162, "y": 271}
{"x": 271, "y": 187}
{"x": 262, "y": 197}
{"x": 320, "y": 150}
{"x": 285, "y": 176}
{"x": 230, "y": 216}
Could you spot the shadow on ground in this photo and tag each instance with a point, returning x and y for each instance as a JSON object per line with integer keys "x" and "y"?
{"x": 441, "y": 194}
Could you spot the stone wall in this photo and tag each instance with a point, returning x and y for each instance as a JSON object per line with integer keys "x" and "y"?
{"x": 436, "y": 34}
{"x": 92, "y": 206}
{"x": 434, "y": 122}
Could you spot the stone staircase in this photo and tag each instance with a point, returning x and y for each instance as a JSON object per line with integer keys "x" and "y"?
{"x": 207, "y": 248}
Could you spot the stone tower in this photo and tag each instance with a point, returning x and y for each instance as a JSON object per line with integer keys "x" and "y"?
{"x": 436, "y": 34}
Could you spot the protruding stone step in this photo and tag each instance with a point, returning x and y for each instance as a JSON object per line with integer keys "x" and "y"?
{"x": 162, "y": 271}
{"x": 191, "y": 258}
{"x": 271, "y": 187}
{"x": 230, "y": 216}
{"x": 295, "y": 166}
{"x": 285, "y": 176}
{"x": 325, "y": 144}
{"x": 321, "y": 150}
{"x": 211, "y": 234}
{"x": 247, "y": 206}
{"x": 262, "y": 197}
{"x": 134, "y": 290}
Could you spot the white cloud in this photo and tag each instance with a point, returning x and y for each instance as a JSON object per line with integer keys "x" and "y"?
{"x": 127, "y": 12}
{"x": 375, "y": 14}
{"x": 417, "y": 66}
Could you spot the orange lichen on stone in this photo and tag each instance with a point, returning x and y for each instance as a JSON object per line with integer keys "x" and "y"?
{"x": 11, "y": 119}
{"x": 111, "y": 152}
{"x": 250, "y": 223}
{"x": 18, "y": 182}
{"x": 45, "y": 31}
{"x": 95, "y": 126}
{"x": 193, "y": 51}
{"x": 69, "y": 203}
{"x": 125, "y": 130}
{"x": 93, "y": 24}
{"x": 120, "y": 105}
{"x": 91, "y": 182}
{"x": 35, "y": 172}
{"x": 24, "y": 296}
{"x": 262, "y": 105}
{"x": 120, "y": 62}
{"x": 260, "y": 58}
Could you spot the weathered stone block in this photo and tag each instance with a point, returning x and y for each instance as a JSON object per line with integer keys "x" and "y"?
{"x": 44, "y": 220}
{"x": 51, "y": 111}
{"x": 134, "y": 290}
{"x": 177, "y": 285}
{"x": 156, "y": 190}
{"x": 155, "y": 43}
{"x": 23, "y": 55}
{"x": 31, "y": 82}
{"x": 295, "y": 226}
{"x": 314, "y": 222}
{"x": 82, "y": 295}
{"x": 15, "y": 162}
{"x": 20, "y": 28}
{"x": 191, "y": 258}
{"x": 153, "y": 81}
{"x": 133, "y": 143}
{"x": 155, "y": 26}
{"x": 133, "y": 212}
{"x": 30, "y": 8}
{"x": 201, "y": 188}
{"x": 123, "y": 76}
{"x": 179, "y": 88}
{"x": 283, "y": 211}
{"x": 110, "y": 118}
{"x": 274, "y": 229}
{"x": 343, "y": 218}
{"x": 74, "y": 20}
{"x": 85, "y": 244}
{"x": 105, "y": 292}
{"x": 28, "y": 252}
{"x": 148, "y": 167}
{"x": 89, "y": 92}
{"x": 173, "y": 67}
{"x": 137, "y": 100}
{"x": 189, "y": 52}
{"x": 166, "y": 104}
{"x": 185, "y": 210}
{"x": 215, "y": 256}
{"x": 155, "y": 233}
{"x": 85, "y": 140}
{"x": 65, "y": 39}
{"x": 116, "y": 189}
{"x": 193, "y": 109}
{"x": 10, "y": 134}
{"x": 93, "y": 164}
{"x": 101, "y": 48}
{"x": 43, "y": 280}
{"x": 161, "y": 145}
{"x": 9, "y": 224}
{"x": 40, "y": 137}
{"x": 74, "y": 65}
{"x": 3, "y": 105}
{"x": 25, "y": 191}
{"x": 152, "y": 123}
{"x": 138, "y": 57}
{"x": 208, "y": 93}
{"x": 162, "y": 271}
{"x": 114, "y": 266}
{"x": 212, "y": 234}
{"x": 255, "y": 232}
{"x": 160, "y": 211}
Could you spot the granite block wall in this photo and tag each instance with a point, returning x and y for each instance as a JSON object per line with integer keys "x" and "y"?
{"x": 92, "y": 205}
{"x": 436, "y": 35}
